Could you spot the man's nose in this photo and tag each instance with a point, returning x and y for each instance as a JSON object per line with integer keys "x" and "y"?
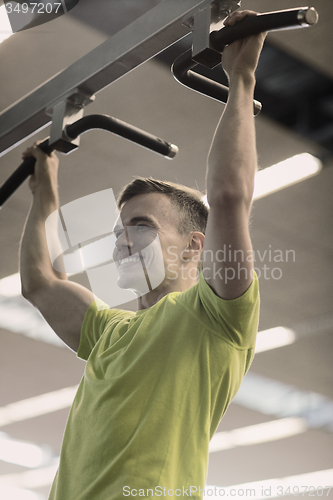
{"x": 124, "y": 241}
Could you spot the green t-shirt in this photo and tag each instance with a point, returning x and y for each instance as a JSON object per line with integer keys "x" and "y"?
{"x": 156, "y": 385}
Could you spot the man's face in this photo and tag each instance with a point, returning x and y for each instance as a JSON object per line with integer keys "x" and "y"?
{"x": 148, "y": 243}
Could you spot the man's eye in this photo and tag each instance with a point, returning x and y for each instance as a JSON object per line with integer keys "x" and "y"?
{"x": 132, "y": 229}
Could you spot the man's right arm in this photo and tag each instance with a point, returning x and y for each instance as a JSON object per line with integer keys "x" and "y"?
{"x": 62, "y": 303}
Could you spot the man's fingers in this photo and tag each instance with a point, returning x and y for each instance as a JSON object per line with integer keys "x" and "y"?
{"x": 237, "y": 16}
{"x": 32, "y": 150}
{"x": 35, "y": 151}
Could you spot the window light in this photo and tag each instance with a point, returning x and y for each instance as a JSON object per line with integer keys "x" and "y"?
{"x": 285, "y": 173}
{"x": 11, "y": 285}
{"x": 36, "y": 406}
{"x": 273, "y": 338}
{"x": 259, "y": 433}
{"x": 21, "y": 452}
{"x": 5, "y": 26}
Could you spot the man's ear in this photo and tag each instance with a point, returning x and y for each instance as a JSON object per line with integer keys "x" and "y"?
{"x": 194, "y": 246}
{"x": 197, "y": 241}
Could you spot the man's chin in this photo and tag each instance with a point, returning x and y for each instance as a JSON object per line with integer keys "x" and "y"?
{"x": 139, "y": 280}
{"x": 137, "y": 285}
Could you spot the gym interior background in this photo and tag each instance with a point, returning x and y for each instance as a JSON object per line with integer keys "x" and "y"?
{"x": 289, "y": 388}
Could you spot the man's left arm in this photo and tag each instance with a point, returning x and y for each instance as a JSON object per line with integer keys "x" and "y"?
{"x": 232, "y": 164}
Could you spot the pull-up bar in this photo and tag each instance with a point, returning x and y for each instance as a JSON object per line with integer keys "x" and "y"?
{"x": 182, "y": 71}
{"x": 77, "y": 128}
{"x": 210, "y": 55}
{"x": 68, "y": 92}
{"x": 139, "y": 41}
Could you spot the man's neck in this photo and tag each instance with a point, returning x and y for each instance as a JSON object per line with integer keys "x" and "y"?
{"x": 151, "y": 298}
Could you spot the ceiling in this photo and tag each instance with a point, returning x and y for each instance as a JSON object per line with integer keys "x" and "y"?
{"x": 298, "y": 218}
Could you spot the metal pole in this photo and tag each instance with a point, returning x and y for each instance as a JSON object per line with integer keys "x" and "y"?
{"x": 135, "y": 44}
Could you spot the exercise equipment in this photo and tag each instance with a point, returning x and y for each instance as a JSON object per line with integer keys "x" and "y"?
{"x": 71, "y": 132}
{"x": 208, "y": 46}
{"x": 64, "y": 97}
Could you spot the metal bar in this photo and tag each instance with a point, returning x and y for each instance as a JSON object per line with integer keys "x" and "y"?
{"x": 135, "y": 44}
{"x": 181, "y": 70}
{"x": 122, "y": 129}
{"x": 72, "y": 131}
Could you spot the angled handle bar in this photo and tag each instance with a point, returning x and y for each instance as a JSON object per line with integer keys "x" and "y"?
{"x": 122, "y": 129}
{"x": 77, "y": 128}
{"x": 181, "y": 70}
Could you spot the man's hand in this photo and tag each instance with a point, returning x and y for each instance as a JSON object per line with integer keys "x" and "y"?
{"x": 241, "y": 57}
{"x": 46, "y": 169}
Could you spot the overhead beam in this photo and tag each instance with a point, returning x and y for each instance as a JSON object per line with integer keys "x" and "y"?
{"x": 144, "y": 38}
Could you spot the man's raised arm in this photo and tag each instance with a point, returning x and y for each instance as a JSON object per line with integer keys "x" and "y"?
{"x": 62, "y": 303}
{"x": 232, "y": 164}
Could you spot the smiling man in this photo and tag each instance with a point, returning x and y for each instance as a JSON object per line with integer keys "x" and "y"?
{"x": 162, "y": 227}
{"x": 158, "y": 381}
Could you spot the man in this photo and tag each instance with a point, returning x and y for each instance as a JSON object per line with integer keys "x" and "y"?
{"x": 158, "y": 381}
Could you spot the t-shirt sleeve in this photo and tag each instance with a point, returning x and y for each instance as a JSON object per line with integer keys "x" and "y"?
{"x": 95, "y": 321}
{"x": 237, "y": 319}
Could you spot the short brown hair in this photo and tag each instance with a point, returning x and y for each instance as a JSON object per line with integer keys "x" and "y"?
{"x": 193, "y": 213}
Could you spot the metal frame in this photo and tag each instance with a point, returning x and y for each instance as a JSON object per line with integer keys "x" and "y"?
{"x": 135, "y": 44}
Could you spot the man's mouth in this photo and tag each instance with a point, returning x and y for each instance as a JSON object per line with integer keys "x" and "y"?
{"x": 127, "y": 261}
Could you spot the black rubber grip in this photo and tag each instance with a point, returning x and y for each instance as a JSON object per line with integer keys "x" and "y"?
{"x": 77, "y": 128}
{"x": 181, "y": 70}
{"x": 122, "y": 129}
{"x": 270, "y": 21}
{"x": 26, "y": 168}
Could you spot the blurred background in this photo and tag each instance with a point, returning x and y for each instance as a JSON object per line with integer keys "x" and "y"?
{"x": 280, "y": 424}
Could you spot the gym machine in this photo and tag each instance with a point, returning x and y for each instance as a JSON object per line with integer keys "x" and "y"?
{"x": 62, "y": 100}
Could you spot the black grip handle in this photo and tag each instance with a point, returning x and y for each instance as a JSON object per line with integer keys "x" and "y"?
{"x": 77, "y": 128}
{"x": 122, "y": 129}
{"x": 270, "y": 21}
{"x": 181, "y": 70}
{"x": 26, "y": 168}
